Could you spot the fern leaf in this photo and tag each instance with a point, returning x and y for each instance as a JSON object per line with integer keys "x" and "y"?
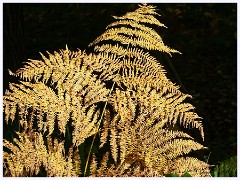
{"x": 113, "y": 143}
{"x": 191, "y": 165}
{"x": 140, "y": 101}
{"x": 103, "y": 165}
{"x": 93, "y": 166}
{"x": 226, "y": 168}
{"x": 86, "y": 127}
{"x": 105, "y": 129}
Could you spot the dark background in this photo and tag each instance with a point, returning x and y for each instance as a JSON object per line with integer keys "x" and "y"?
{"x": 206, "y": 34}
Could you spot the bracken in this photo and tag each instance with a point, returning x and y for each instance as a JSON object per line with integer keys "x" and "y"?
{"x": 139, "y": 104}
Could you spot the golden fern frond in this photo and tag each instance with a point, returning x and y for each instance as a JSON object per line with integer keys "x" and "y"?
{"x": 103, "y": 166}
{"x": 154, "y": 106}
{"x": 144, "y": 14}
{"x": 86, "y": 127}
{"x": 123, "y": 105}
{"x": 147, "y": 9}
{"x": 157, "y": 148}
{"x": 123, "y": 136}
{"x": 77, "y": 90}
{"x": 93, "y": 165}
{"x": 144, "y": 39}
{"x": 67, "y": 89}
{"x": 138, "y": 69}
{"x": 141, "y": 18}
{"x": 113, "y": 143}
{"x": 37, "y": 96}
{"x": 181, "y": 112}
{"x": 60, "y": 164}
{"x": 105, "y": 129}
{"x": 141, "y": 137}
{"x": 30, "y": 153}
{"x": 138, "y": 34}
{"x": 56, "y": 66}
{"x": 61, "y": 67}
{"x": 193, "y": 166}
{"x": 144, "y": 59}
{"x": 76, "y": 163}
{"x": 133, "y": 24}
{"x": 23, "y": 160}
{"x": 177, "y": 147}
{"x": 135, "y": 169}
{"x": 137, "y": 74}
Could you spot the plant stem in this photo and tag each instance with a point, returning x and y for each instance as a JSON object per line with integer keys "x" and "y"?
{"x": 85, "y": 170}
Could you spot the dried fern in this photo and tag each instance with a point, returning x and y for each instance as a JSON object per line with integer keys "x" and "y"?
{"x": 30, "y": 153}
{"x": 139, "y": 70}
{"x": 68, "y": 90}
{"x": 75, "y": 95}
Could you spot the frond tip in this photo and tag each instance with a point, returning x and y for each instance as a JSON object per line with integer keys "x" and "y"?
{"x": 134, "y": 32}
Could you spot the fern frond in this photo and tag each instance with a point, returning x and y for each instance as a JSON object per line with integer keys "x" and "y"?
{"x": 141, "y": 18}
{"x": 37, "y": 96}
{"x": 86, "y": 127}
{"x": 147, "y": 9}
{"x": 123, "y": 170}
{"x": 145, "y": 75}
{"x": 104, "y": 163}
{"x": 179, "y": 147}
{"x": 148, "y": 40}
{"x": 191, "y": 165}
{"x": 105, "y": 129}
{"x": 142, "y": 138}
{"x": 76, "y": 163}
{"x": 66, "y": 90}
{"x": 93, "y": 165}
{"x": 30, "y": 153}
{"x": 133, "y": 24}
{"x": 113, "y": 143}
{"x": 138, "y": 34}
{"x": 123, "y": 136}
{"x": 226, "y": 168}
{"x": 77, "y": 87}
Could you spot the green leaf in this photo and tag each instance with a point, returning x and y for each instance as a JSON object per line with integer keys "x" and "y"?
{"x": 172, "y": 175}
{"x": 186, "y": 174}
{"x": 227, "y": 168}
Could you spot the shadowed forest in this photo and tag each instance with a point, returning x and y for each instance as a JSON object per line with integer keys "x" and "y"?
{"x": 205, "y": 34}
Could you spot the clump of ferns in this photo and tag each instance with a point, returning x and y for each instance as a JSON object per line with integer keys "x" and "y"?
{"x": 118, "y": 97}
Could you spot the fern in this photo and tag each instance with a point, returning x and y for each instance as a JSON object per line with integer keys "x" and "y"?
{"x": 140, "y": 71}
{"x": 227, "y": 168}
{"x": 119, "y": 95}
{"x": 30, "y": 153}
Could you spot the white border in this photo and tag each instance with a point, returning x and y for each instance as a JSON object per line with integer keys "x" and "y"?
{"x": 107, "y": 1}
